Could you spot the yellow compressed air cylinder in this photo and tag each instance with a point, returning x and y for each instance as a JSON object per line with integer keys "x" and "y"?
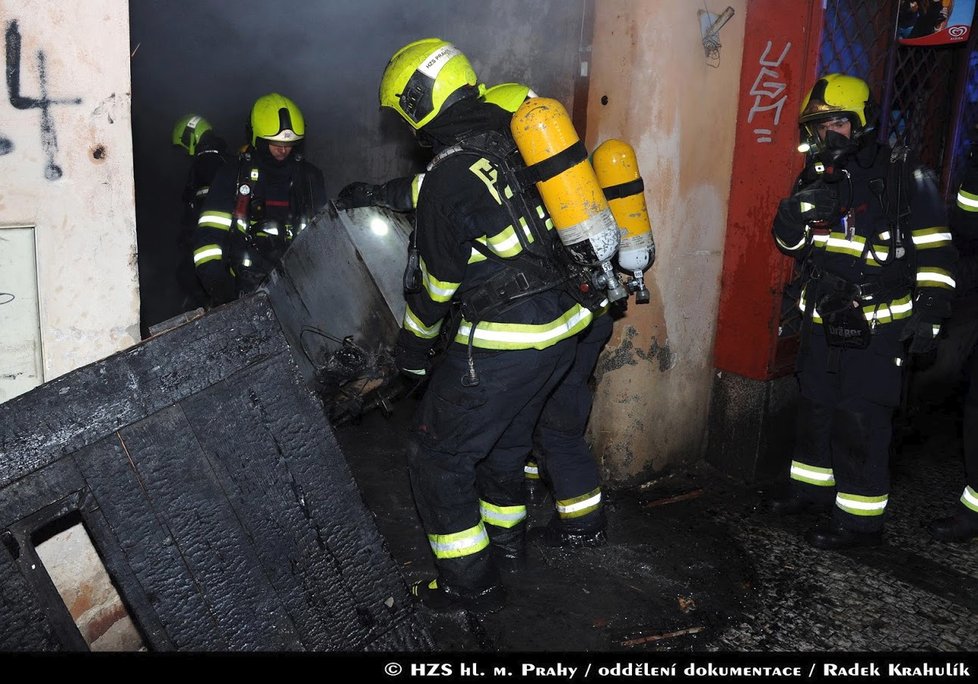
{"x": 616, "y": 168}
{"x": 569, "y": 188}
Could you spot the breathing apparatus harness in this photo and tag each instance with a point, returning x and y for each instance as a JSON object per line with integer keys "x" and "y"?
{"x": 542, "y": 264}
{"x": 839, "y": 300}
{"x": 258, "y": 241}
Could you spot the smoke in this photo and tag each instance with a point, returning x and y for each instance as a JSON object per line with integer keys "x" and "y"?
{"x": 214, "y": 58}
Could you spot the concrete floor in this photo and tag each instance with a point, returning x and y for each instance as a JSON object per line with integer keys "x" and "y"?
{"x": 693, "y": 566}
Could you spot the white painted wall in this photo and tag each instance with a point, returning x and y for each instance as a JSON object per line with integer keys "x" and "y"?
{"x": 66, "y": 164}
{"x": 653, "y": 86}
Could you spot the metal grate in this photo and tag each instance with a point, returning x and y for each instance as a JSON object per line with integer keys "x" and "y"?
{"x": 968, "y": 117}
{"x": 918, "y": 113}
{"x": 915, "y": 85}
{"x": 916, "y": 88}
{"x": 856, "y": 37}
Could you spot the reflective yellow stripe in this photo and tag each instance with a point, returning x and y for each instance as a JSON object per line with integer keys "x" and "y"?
{"x": 935, "y": 277}
{"x": 416, "y": 189}
{"x": 489, "y": 335}
{"x": 531, "y": 470}
{"x": 501, "y": 516}
{"x": 791, "y": 248}
{"x": 476, "y": 255}
{"x": 414, "y": 325}
{"x": 207, "y": 253}
{"x": 929, "y": 238}
{"x": 820, "y": 477}
{"x": 505, "y": 243}
{"x": 581, "y": 505}
{"x": 215, "y": 219}
{"x": 438, "y": 290}
{"x": 882, "y": 313}
{"x": 459, "y": 544}
{"x": 967, "y": 201}
{"x": 970, "y": 499}
{"x": 838, "y": 244}
{"x": 866, "y": 506}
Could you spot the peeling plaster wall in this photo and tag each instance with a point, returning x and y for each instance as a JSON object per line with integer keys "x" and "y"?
{"x": 653, "y": 86}
{"x": 66, "y": 163}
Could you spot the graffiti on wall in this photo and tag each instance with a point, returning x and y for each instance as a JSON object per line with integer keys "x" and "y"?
{"x": 49, "y": 137}
{"x": 769, "y": 94}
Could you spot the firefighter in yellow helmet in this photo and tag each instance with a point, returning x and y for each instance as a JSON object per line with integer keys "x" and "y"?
{"x": 509, "y": 348}
{"x": 401, "y": 194}
{"x": 560, "y": 432}
{"x": 257, "y": 206}
{"x": 194, "y": 135}
{"x": 868, "y": 230}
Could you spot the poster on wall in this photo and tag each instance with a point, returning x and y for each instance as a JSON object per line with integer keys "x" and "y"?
{"x": 934, "y": 22}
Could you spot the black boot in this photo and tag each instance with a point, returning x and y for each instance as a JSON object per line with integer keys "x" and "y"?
{"x": 508, "y": 549}
{"x": 442, "y": 598}
{"x": 792, "y": 505}
{"x": 958, "y": 528}
{"x": 834, "y": 537}
{"x": 565, "y": 535}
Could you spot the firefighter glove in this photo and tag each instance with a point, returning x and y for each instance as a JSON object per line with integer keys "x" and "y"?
{"x": 411, "y": 360}
{"x": 221, "y": 291}
{"x": 359, "y": 195}
{"x": 924, "y": 325}
{"x": 813, "y": 204}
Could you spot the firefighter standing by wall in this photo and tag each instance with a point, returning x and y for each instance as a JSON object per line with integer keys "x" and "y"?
{"x": 195, "y": 135}
{"x": 475, "y": 421}
{"x": 256, "y": 206}
{"x": 962, "y": 525}
{"x": 870, "y": 235}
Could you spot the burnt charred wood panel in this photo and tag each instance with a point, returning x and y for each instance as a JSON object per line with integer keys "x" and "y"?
{"x": 289, "y": 484}
{"x": 78, "y": 408}
{"x": 215, "y": 492}
{"x": 24, "y": 626}
{"x": 192, "y": 505}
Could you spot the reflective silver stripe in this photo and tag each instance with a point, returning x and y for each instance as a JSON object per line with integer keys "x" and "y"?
{"x": 505, "y": 243}
{"x": 438, "y": 290}
{"x": 970, "y": 499}
{"x": 589, "y": 502}
{"x": 502, "y": 516}
{"x": 799, "y": 245}
{"x": 523, "y": 334}
{"x": 967, "y": 201}
{"x": 861, "y": 505}
{"x": 944, "y": 279}
{"x": 933, "y": 237}
{"x": 222, "y": 220}
{"x": 459, "y": 544}
{"x": 837, "y": 244}
{"x": 208, "y": 254}
{"x": 531, "y": 469}
{"x": 820, "y": 477}
{"x": 414, "y": 324}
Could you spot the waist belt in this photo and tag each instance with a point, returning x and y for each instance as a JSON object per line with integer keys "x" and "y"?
{"x": 827, "y": 283}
